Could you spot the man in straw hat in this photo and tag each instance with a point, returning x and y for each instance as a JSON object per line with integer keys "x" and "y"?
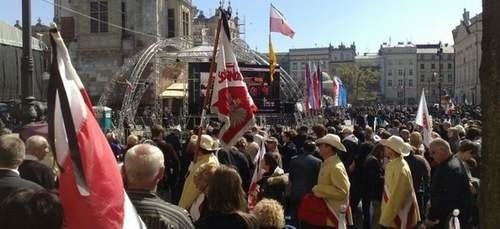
{"x": 399, "y": 205}
{"x": 206, "y": 154}
{"x": 333, "y": 182}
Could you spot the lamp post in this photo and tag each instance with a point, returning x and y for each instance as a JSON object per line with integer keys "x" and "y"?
{"x": 27, "y": 60}
{"x": 440, "y": 55}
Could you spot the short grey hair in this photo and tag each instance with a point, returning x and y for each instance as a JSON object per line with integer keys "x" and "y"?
{"x": 143, "y": 162}
{"x": 440, "y": 144}
{"x": 12, "y": 151}
{"x": 35, "y": 142}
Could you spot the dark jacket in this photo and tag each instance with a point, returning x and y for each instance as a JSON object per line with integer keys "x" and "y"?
{"x": 420, "y": 172}
{"x": 221, "y": 221}
{"x": 450, "y": 190}
{"x": 172, "y": 163}
{"x": 304, "y": 170}
{"x": 11, "y": 181}
{"x": 373, "y": 178}
{"x": 237, "y": 160}
{"x": 37, "y": 172}
{"x": 288, "y": 150}
{"x": 273, "y": 186}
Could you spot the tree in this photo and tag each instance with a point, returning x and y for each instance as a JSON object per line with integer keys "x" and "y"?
{"x": 361, "y": 83}
{"x": 489, "y": 76}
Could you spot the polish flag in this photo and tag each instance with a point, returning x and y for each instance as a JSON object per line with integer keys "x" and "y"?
{"x": 91, "y": 186}
{"x": 424, "y": 120}
{"x": 230, "y": 97}
{"x": 277, "y": 23}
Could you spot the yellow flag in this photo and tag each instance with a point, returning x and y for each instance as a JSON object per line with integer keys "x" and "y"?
{"x": 272, "y": 59}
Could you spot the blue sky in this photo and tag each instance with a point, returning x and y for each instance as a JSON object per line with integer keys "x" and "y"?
{"x": 368, "y": 23}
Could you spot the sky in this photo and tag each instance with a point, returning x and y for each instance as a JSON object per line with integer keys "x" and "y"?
{"x": 317, "y": 23}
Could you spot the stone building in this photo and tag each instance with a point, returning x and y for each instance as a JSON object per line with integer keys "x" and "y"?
{"x": 100, "y": 47}
{"x": 204, "y": 28}
{"x": 467, "y": 37}
{"x": 434, "y": 66}
{"x": 399, "y": 73}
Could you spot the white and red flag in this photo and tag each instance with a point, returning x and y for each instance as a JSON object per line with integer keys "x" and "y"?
{"x": 277, "y": 23}
{"x": 90, "y": 183}
{"x": 424, "y": 120}
{"x": 257, "y": 176}
{"x": 230, "y": 97}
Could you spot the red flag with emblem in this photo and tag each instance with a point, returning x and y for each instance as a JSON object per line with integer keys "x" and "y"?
{"x": 230, "y": 97}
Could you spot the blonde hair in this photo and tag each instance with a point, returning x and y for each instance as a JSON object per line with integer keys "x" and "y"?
{"x": 415, "y": 139}
{"x": 270, "y": 214}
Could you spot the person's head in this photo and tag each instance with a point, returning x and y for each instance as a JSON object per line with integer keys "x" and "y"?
{"x": 440, "y": 150}
{"x": 270, "y": 161}
{"x": 446, "y": 125}
{"x": 415, "y": 139}
{"x": 31, "y": 209}
{"x": 271, "y": 144}
{"x": 270, "y": 214}
{"x": 453, "y": 133}
{"x": 143, "y": 167}
{"x": 468, "y": 150}
{"x": 473, "y": 133}
{"x": 378, "y": 151}
{"x": 330, "y": 145}
{"x": 309, "y": 146}
{"x": 405, "y": 135}
{"x": 5, "y": 131}
{"x": 248, "y": 137}
{"x": 287, "y": 136}
{"x": 12, "y": 151}
{"x": 132, "y": 140}
{"x": 319, "y": 130}
{"x": 111, "y": 137}
{"x": 37, "y": 146}
{"x": 207, "y": 144}
{"x": 157, "y": 131}
{"x": 395, "y": 147}
{"x": 203, "y": 175}
{"x": 368, "y": 133}
{"x": 219, "y": 198}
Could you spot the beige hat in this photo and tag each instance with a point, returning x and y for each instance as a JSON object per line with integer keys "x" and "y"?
{"x": 333, "y": 140}
{"x": 397, "y": 144}
{"x": 206, "y": 143}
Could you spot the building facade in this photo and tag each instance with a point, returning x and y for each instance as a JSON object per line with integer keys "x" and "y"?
{"x": 435, "y": 65}
{"x": 467, "y": 37}
{"x": 100, "y": 47}
{"x": 399, "y": 81}
{"x": 205, "y": 28}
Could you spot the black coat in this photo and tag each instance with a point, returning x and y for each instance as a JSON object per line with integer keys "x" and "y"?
{"x": 37, "y": 172}
{"x": 288, "y": 150}
{"x": 11, "y": 181}
{"x": 450, "y": 190}
{"x": 373, "y": 178}
{"x": 221, "y": 221}
{"x": 304, "y": 170}
{"x": 238, "y": 160}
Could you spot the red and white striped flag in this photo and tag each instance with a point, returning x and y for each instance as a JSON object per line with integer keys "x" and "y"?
{"x": 91, "y": 187}
{"x": 277, "y": 23}
{"x": 230, "y": 97}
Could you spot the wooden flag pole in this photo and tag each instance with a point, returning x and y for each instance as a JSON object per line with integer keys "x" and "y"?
{"x": 210, "y": 85}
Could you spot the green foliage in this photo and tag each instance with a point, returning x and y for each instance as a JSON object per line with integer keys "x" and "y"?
{"x": 362, "y": 83}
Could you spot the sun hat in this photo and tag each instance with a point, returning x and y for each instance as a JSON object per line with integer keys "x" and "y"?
{"x": 332, "y": 140}
{"x": 207, "y": 143}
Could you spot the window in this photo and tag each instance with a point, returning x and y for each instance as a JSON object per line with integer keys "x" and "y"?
{"x": 449, "y": 65}
{"x": 422, "y": 66}
{"x": 294, "y": 65}
{"x": 440, "y": 66}
{"x": 185, "y": 23}
{"x": 410, "y": 83}
{"x": 400, "y": 82}
{"x": 400, "y": 72}
{"x": 410, "y": 72}
{"x": 433, "y": 66}
{"x": 400, "y": 94}
{"x": 171, "y": 23}
{"x": 389, "y": 83}
{"x": 389, "y": 73}
{"x": 99, "y": 15}
{"x": 450, "y": 78}
{"x": 422, "y": 78}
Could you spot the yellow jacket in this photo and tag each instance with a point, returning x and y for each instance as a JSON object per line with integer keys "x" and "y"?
{"x": 333, "y": 186}
{"x": 399, "y": 207}
{"x": 189, "y": 191}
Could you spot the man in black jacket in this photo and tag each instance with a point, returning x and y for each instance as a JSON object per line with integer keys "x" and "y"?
{"x": 31, "y": 168}
{"x": 11, "y": 156}
{"x": 172, "y": 165}
{"x": 304, "y": 170}
{"x": 450, "y": 187}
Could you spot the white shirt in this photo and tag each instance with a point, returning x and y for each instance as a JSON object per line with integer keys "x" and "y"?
{"x": 13, "y": 170}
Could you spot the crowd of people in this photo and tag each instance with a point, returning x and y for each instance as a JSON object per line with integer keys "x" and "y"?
{"x": 333, "y": 174}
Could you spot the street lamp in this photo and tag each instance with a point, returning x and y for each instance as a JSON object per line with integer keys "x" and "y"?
{"x": 440, "y": 55}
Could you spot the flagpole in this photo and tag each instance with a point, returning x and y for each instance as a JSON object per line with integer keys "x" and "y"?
{"x": 210, "y": 86}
